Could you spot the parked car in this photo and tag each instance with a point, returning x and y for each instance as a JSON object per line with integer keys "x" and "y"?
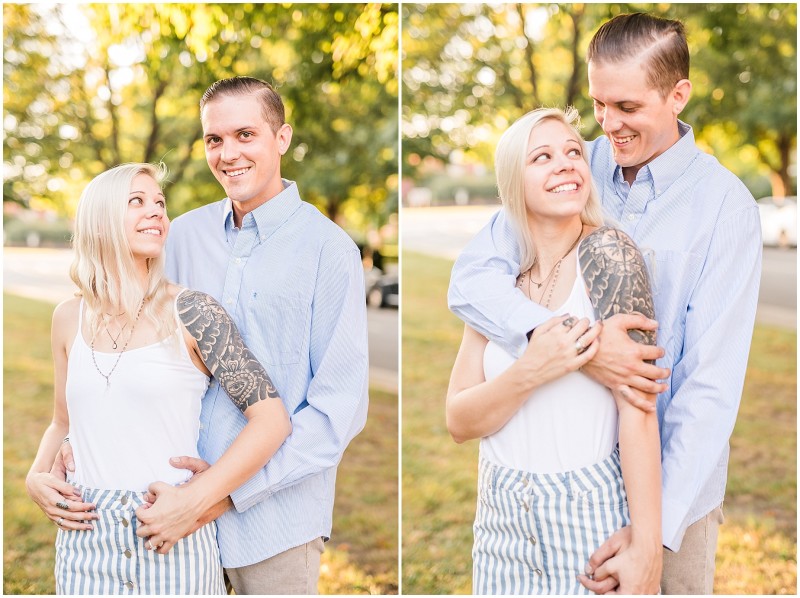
{"x": 778, "y": 221}
{"x": 385, "y": 292}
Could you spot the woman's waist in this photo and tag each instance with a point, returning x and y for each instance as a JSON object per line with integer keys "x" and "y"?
{"x": 596, "y": 475}
{"x": 131, "y": 467}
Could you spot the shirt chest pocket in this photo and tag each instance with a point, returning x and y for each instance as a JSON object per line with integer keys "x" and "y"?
{"x": 280, "y": 324}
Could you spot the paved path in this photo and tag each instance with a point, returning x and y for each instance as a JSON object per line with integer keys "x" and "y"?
{"x": 443, "y": 231}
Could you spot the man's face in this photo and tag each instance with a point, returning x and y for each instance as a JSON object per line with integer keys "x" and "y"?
{"x": 242, "y": 150}
{"x": 639, "y": 123}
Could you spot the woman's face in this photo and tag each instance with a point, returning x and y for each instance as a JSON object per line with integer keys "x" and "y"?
{"x": 557, "y": 178}
{"x": 146, "y": 221}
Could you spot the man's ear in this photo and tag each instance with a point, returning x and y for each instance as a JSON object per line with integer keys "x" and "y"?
{"x": 284, "y": 138}
{"x": 680, "y": 95}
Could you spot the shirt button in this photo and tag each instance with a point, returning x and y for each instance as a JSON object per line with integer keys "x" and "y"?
{"x": 532, "y": 539}
{"x": 124, "y": 499}
{"x": 127, "y": 553}
{"x": 537, "y": 571}
{"x": 238, "y": 260}
{"x": 631, "y": 216}
{"x": 129, "y": 585}
{"x": 125, "y": 522}
{"x": 229, "y": 301}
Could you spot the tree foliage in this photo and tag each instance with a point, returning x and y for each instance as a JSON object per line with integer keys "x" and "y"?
{"x": 470, "y": 70}
{"x": 90, "y": 86}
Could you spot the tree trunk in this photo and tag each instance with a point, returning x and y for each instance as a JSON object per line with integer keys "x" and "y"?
{"x": 152, "y": 140}
{"x": 529, "y": 57}
{"x": 573, "y": 87}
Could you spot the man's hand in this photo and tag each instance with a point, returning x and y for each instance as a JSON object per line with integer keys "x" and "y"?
{"x": 620, "y": 361}
{"x": 621, "y": 566}
{"x": 172, "y": 513}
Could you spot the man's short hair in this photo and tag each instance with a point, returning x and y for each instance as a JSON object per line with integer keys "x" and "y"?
{"x": 662, "y": 42}
{"x": 271, "y": 103}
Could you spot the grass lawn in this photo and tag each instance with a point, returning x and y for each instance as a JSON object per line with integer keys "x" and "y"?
{"x": 361, "y": 557}
{"x": 757, "y": 545}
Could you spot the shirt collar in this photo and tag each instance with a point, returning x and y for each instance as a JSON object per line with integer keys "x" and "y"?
{"x": 269, "y": 216}
{"x": 669, "y": 166}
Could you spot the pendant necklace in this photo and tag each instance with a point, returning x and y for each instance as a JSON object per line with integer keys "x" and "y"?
{"x": 115, "y": 339}
{"x": 125, "y": 346}
{"x": 554, "y": 272}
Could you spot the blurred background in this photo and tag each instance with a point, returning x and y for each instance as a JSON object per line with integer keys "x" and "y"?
{"x": 468, "y": 71}
{"x": 89, "y": 86}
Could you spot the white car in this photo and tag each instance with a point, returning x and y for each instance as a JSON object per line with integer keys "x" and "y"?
{"x": 778, "y": 221}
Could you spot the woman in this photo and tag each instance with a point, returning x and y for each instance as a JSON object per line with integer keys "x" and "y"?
{"x": 133, "y": 355}
{"x": 551, "y": 487}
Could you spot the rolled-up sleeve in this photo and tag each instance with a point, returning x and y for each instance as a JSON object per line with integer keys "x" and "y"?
{"x": 483, "y": 289}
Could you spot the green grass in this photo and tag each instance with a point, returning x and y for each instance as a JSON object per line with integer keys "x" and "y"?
{"x": 361, "y": 557}
{"x": 757, "y": 545}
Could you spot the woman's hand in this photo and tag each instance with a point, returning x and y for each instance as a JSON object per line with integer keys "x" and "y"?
{"x": 559, "y": 346}
{"x": 60, "y": 501}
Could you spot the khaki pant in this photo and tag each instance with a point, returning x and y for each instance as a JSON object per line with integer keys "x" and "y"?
{"x": 295, "y": 571}
{"x": 691, "y": 569}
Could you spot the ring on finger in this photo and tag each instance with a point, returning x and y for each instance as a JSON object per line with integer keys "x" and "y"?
{"x": 579, "y": 346}
{"x": 59, "y": 521}
{"x": 570, "y": 322}
{"x": 62, "y": 504}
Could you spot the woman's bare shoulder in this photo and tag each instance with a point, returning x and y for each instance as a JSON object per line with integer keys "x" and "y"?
{"x": 67, "y": 311}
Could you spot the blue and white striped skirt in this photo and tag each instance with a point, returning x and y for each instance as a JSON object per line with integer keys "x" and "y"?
{"x": 534, "y": 533}
{"x": 112, "y": 559}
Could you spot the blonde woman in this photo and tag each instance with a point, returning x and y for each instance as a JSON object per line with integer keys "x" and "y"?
{"x": 133, "y": 355}
{"x": 563, "y": 465}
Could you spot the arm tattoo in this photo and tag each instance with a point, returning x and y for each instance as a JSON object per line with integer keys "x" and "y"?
{"x": 223, "y": 350}
{"x": 615, "y": 275}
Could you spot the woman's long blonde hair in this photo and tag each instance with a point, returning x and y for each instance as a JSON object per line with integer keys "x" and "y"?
{"x": 103, "y": 266}
{"x": 509, "y": 166}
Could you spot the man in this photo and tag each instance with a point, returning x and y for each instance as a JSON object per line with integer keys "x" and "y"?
{"x": 702, "y": 226}
{"x": 293, "y": 282}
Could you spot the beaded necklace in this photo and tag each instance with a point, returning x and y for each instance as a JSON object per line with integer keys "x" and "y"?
{"x": 125, "y": 346}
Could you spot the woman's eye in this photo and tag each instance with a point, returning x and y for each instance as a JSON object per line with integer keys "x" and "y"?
{"x": 541, "y": 158}
{"x": 136, "y": 201}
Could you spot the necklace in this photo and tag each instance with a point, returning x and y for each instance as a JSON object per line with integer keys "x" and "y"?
{"x": 114, "y": 339}
{"x": 125, "y": 346}
{"x": 554, "y": 272}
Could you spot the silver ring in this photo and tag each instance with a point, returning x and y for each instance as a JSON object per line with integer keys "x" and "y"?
{"x": 579, "y": 346}
{"x": 570, "y": 322}
{"x": 62, "y": 505}
{"x": 59, "y": 521}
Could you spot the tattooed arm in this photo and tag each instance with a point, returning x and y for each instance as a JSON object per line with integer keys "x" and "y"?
{"x": 216, "y": 342}
{"x": 616, "y": 279}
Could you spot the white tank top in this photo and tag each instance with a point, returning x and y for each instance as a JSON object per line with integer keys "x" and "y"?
{"x": 123, "y": 435}
{"x": 565, "y": 424}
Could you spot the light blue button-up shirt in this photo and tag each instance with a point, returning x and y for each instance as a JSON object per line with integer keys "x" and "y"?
{"x": 293, "y": 282}
{"x": 702, "y": 226}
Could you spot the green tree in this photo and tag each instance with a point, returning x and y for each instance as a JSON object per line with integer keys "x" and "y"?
{"x": 744, "y": 63}
{"x": 470, "y": 70}
{"x": 90, "y": 86}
